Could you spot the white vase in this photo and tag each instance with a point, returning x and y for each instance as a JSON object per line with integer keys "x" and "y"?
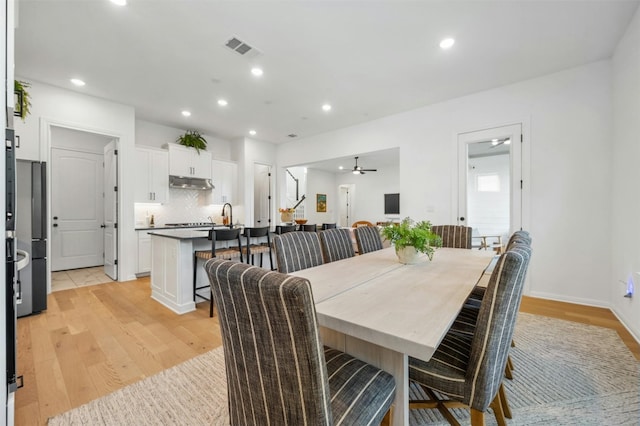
{"x": 408, "y": 255}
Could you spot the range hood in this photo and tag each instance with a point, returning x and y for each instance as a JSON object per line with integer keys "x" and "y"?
{"x": 190, "y": 183}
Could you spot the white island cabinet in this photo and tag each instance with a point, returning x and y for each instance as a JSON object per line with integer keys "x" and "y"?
{"x": 172, "y": 267}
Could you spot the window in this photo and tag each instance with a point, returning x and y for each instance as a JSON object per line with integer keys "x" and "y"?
{"x": 488, "y": 183}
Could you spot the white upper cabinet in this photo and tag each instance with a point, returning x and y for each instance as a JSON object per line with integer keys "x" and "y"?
{"x": 225, "y": 178}
{"x": 187, "y": 162}
{"x": 152, "y": 175}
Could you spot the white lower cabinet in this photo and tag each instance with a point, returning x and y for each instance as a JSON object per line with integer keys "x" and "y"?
{"x": 144, "y": 253}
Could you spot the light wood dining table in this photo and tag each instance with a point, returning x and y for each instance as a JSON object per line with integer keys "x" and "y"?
{"x": 381, "y": 311}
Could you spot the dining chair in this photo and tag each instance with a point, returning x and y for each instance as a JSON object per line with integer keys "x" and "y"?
{"x": 297, "y": 250}
{"x": 326, "y": 226}
{"x": 277, "y": 370}
{"x": 454, "y": 236}
{"x": 261, "y": 244}
{"x": 283, "y": 229}
{"x": 361, "y": 223}
{"x": 466, "y": 320}
{"x": 309, "y": 228}
{"x": 368, "y": 239}
{"x": 216, "y": 235}
{"x": 468, "y": 369}
{"x": 336, "y": 244}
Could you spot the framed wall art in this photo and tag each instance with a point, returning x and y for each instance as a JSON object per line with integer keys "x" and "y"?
{"x": 321, "y": 203}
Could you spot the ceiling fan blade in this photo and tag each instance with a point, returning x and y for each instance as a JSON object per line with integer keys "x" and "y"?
{"x": 369, "y": 170}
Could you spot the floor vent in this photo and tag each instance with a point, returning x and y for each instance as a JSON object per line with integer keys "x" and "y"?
{"x": 242, "y": 48}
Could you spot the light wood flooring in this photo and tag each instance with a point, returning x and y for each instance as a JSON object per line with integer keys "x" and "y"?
{"x": 94, "y": 340}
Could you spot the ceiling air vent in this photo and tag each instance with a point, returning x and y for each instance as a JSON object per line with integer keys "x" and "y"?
{"x": 292, "y": 135}
{"x": 242, "y": 48}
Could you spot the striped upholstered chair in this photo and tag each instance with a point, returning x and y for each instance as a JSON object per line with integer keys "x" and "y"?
{"x": 277, "y": 370}
{"x": 368, "y": 239}
{"x": 297, "y": 250}
{"x": 336, "y": 244}
{"x": 454, "y": 236}
{"x": 469, "y": 368}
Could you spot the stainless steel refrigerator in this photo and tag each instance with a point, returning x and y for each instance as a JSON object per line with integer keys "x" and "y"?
{"x": 31, "y": 234}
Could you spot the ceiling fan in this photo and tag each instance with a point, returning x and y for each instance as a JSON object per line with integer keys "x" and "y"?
{"x": 358, "y": 170}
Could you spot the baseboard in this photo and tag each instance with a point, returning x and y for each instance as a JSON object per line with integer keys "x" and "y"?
{"x": 576, "y": 300}
{"x": 633, "y": 334}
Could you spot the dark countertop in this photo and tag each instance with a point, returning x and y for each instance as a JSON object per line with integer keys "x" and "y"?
{"x": 153, "y": 228}
{"x": 181, "y": 234}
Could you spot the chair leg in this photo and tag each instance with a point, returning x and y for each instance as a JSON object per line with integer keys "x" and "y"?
{"x": 505, "y": 404}
{"x": 211, "y": 304}
{"x": 387, "y": 420}
{"x": 507, "y": 369}
{"x": 477, "y": 417}
{"x": 195, "y": 274}
{"x": 496, "y": 405}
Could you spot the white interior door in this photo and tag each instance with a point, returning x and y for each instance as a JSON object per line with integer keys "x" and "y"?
{"x": 262, "y": 195}
{"x": 77, "y": 209}
{"x": 344, "y": 203}
{"x": 111, "y": 210}
{"x": 490, "y": 181}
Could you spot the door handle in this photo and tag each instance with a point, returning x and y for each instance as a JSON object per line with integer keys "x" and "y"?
{"x": 462, "y": 219}
{"x": 55, "y": 225}
{"x": 55, "y": 218}
{"x": 103, "y": 226}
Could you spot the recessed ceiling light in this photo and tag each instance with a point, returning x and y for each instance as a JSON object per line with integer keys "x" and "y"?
{"x": 256, "y": 71}
{"x": 326, "y": 107}
{"x": 186, "y": 113}
{"x": 119, "y": 2}
{"x": 447, "y": 43}
{"x": 507, "y": 142}
{"x": 341, "y": 168}
{"x": 252, "y": 132}
{"x": 222, "y": 102}
{"x": 494, "y": 142}
{"x": 77, "y": 82}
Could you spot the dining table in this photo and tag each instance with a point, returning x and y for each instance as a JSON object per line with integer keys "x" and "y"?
{"x": 382, "y": 311}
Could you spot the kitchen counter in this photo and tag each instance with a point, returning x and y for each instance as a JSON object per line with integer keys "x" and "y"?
{"x": 181, "y": 234}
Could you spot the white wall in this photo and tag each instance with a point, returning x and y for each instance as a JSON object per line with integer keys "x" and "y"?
{"x": 157, "y": 135}
{"x": 250, "y": 151}
{"x": 625, "y": 253}
{"x": 65, "y": 108}
{"x": 567, "y": 122}
{"x": 321, "y": 182}
{"x": 367, "y": 195}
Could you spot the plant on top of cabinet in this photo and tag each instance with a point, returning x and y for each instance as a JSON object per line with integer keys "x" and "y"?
{"x": 193, "y": 139}
{"x": 22, "y": 98}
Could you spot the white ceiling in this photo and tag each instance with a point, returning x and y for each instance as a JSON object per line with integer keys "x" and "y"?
{"x": 368, "y": 59}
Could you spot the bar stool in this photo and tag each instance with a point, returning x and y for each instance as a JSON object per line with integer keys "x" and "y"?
{"x": 229, "y": 253}
{"x": 283, "y": 229}
{"x": 326, "y": 226}
{"x": 309, "y": 228}
{"x": 257, "y": 247}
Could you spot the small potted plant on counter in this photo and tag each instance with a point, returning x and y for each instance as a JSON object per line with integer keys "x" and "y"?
{"x": 410, "y": 238}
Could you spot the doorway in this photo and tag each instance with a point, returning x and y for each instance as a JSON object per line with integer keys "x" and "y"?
{"x": 490, "y": 182}
{"x": 82, "y": 197}
{"x": 261, "y": 195}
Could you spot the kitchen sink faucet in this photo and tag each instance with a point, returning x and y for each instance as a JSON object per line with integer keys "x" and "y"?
{"x": 230, "y": 214}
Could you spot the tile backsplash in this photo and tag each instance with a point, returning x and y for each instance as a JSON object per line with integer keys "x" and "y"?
{"x": 185, "y": 205}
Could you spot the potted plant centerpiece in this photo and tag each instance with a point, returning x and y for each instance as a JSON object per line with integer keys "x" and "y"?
{"x": 193, "y": 139}
{"x": 410, "y": 238}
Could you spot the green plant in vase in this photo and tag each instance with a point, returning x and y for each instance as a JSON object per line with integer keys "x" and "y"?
{"x": 409, "y": 233}
{"x": 193, "y": 139}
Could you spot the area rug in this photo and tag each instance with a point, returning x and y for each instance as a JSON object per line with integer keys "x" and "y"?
{"x": 565, "y": 374}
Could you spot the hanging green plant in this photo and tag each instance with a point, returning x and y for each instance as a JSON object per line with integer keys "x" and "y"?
{"x": 193, "y": 139}
{"x": 22, "y": 106}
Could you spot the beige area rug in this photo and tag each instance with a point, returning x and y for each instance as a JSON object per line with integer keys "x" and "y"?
{"x": 565, "y": 374}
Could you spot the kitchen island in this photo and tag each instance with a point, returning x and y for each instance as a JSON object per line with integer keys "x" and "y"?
{"x": 172, "y": 266}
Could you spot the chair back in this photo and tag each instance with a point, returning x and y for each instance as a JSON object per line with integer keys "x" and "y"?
{"x": 309, "y": 228}
{"x": 336, "y": 244}
{"x": 216, "y": 235}
{"x": 454, "y": 236}
{"x": 519, "y": 237}
{"x": 275, "y": 365}
{"x": 283, "y": 229}
{"x": 368, "y": 239}
{"x": 360, "y": 223}
{"x": 326, "y": 226}
{"x": 494, "y": 327}
{"x": 297, "y": 250}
